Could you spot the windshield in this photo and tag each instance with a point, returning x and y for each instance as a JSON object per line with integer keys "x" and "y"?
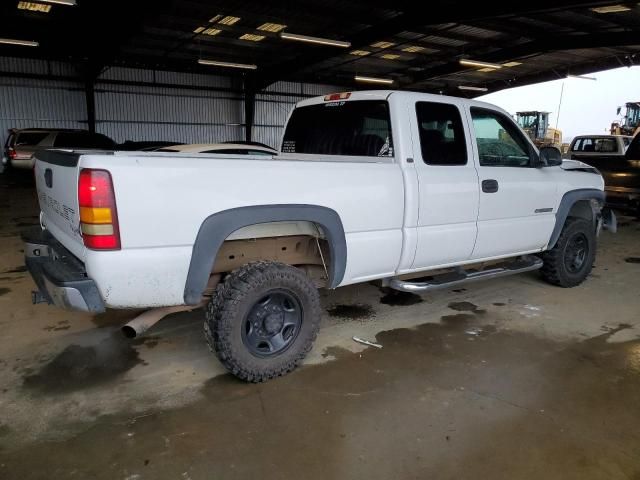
{"x": 357, "y": 128}
{"x": 30, "y": 138}
{"x": 633, "y": 115}
{"x": 527, "y": 121}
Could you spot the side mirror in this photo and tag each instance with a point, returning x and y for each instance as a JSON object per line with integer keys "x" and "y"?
{"x": 618, "y": 111}
{"x": 550, "y": 157}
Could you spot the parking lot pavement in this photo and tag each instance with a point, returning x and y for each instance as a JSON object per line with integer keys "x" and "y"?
{"x": 510, "y": 378}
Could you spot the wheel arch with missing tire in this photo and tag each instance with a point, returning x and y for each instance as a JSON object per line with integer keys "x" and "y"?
{"x": 218, "y": 227}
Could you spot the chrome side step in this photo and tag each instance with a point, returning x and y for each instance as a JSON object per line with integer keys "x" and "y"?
{"x": 526, "y": 263}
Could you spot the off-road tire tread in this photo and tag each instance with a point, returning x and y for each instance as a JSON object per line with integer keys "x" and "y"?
{"x": 220, "y": 317}
{"x": 552, "y": 269}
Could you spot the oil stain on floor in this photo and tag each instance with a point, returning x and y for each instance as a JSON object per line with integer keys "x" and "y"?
{"x": 430, "y": 404}
{"x": 400, "y": 299}
{"x": 79, "y": 367}
{"x": 352, "y": 312}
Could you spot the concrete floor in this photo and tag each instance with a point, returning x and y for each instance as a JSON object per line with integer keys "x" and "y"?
{"x": 510, "y": 378}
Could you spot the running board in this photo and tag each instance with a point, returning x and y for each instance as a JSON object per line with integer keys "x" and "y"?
{"x": 526, "y": 263}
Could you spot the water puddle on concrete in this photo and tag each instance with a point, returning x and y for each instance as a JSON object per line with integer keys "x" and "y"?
{"x": 400, "y": 299}
{"x": 429, "y": 404}
{"x": 352, "y": 312}
{"x": 79, "y": 367}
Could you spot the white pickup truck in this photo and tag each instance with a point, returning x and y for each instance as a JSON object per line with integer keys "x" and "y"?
{"x": 417, "y": 191}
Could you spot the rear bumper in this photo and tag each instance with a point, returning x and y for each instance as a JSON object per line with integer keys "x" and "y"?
{"x": 61, "y": 278}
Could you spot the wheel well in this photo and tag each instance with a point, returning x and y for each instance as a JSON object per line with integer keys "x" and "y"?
{"x": 581, "y": 209}
{"x": 299, "y": 244}
{"x": 219, "y": 227}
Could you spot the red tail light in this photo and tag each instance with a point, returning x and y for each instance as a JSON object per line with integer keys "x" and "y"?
{"x": 98, "y": 215}
{"x": 12, "y": 154}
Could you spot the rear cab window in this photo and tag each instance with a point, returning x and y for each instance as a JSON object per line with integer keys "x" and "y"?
{"x": 595, "y": 144}
{"x": 442, "y": 140}
{"x": 29, "y": 138}
{"x": 346, "y": 128}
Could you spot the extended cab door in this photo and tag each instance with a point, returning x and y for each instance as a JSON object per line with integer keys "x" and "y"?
{"x": 448, "y": 184}
{"x": 517, "y": 200}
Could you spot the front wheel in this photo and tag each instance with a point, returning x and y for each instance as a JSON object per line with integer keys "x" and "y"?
{"x": 570, "y": 261}
{"x": 262, "y": 321}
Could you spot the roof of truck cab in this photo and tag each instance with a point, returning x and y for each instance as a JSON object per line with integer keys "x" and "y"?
{"x": 385, "y": 94}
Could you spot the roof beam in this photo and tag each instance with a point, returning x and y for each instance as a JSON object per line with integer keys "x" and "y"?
{"x": 536, "y": 47}
{"x": 412, "y": 17}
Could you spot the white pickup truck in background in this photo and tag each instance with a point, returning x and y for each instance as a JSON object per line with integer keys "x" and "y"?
{"x": 417, "y": 191}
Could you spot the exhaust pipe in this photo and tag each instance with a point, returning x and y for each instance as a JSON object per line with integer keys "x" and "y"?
{"x": 148, "y": 319}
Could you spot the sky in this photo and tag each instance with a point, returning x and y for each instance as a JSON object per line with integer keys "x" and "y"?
{"x": 587, "y": 107}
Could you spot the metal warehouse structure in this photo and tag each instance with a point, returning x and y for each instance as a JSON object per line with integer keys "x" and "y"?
{"x": 194, "y": 70}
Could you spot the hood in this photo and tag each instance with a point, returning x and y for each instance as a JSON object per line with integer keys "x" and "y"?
{"x": 577, "y": 165}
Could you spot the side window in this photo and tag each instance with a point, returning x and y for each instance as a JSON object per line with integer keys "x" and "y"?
{"x": 441, "y": 134}
{"x": 500, "y": 142}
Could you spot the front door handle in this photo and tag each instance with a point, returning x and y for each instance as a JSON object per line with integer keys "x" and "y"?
{"x": 490, "y": 186}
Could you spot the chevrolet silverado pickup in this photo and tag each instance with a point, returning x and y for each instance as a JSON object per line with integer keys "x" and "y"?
{"x": 416, "y": 191}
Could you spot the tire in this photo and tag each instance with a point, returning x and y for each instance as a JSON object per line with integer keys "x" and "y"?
{"x": 564, "y": 265}
{"x": 262, "y": 320}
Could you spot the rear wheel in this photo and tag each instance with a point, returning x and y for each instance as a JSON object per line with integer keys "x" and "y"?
{"x": 570, "y": 261}
{"x": 262, "y": 321}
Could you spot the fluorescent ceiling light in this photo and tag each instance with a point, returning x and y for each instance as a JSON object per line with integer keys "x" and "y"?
{"x": 385, "y": 81}
{"x": 317, "y": 40}
{"x": 229, "y": 20}
{"x": 198, "y": 30}
{"x": 487, "y": 70}
{"x": 511, "y": 64}
{"x": 476, "y": 63}
{"x": 34, "y": 7}
{"x": 215, "y": 63}
{"x": 70, "y": 3}
{"x": 473, "y": 89}
{"x": 611, "y": 9}
{"x": 582, "y": 77}
{"x": 359, "y": 53}
{"x": 21, "y": 43}
{"x": 382, "y": 45}
{"x": 413, "y": 49}
{"x": 211, "y": 31}
{"x": 272, "y": 27}
{"x": 390, "y": 56}
{"x": 251, "y": 37}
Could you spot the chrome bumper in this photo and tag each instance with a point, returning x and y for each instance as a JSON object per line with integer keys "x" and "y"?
{"x": 60, "y": 277}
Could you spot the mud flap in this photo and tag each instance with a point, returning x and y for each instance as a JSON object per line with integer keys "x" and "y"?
{"x": 609, "y": 220}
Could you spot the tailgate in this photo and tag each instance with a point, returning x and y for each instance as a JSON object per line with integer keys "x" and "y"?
{"x": 56, "y": 174}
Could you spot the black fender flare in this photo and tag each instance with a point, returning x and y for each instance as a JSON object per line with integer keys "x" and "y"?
{"x": 217, "y": 227}
{"x": 568, "y": 200}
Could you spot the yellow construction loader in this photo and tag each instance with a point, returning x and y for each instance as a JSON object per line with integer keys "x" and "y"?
{"x": 630, "y": 123}
{"x": 536, "y": 124}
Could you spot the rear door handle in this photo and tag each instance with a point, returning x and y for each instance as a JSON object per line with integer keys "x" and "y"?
{"x": 490, "y": 186}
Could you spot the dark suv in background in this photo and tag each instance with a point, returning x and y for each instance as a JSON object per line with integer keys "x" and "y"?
{"x": 622, "y": 178}
{"x": 22, "y": 144}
